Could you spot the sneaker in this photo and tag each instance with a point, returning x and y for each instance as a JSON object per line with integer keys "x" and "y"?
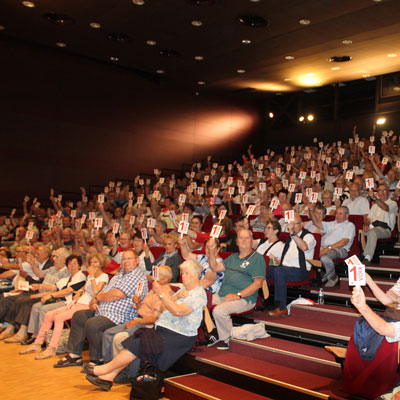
{"x": 222, "y": 345}
{"x": 332, "y": 282}
{"x": 211, "y": 341}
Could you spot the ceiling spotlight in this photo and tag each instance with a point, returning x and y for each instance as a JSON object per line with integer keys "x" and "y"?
{"x": 95, "y": 25}
{"x": 114, "y": 59}
{"x": 246, "y": 41}
{"x": 197, "y": 23}
{"x": 199, "y": 58}
{"x": 287, "y": 79}
{"x": 304, "y": 21}
{"x": 347, "y": 41}
{"x": 29, "y": 4}
{"x": 160, "y": 71}
{"x": 366, "y": 75}
{"x": 301, "y": 118}
{"x": 381, "y": 121}
{"x": 241, "y": 71}
{"x": 151, "y": 42}
{"x": 271, "y": 115}
{"x": 289, "y": 58}
{"x": 310, "y": 117}
{"x": 2, "y": 28}
{"x": 201, "y": 83}
{"x": 138, "y": 2}
{"x": 61, "y": 44}
{"x": 392, "y": 55}
{"x": 335, "y": 68}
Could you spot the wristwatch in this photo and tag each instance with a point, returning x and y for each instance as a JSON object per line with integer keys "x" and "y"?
{"x": 161, "y": 295}
{"x": 239, "y": 294}
{"x": 329, "y": 247}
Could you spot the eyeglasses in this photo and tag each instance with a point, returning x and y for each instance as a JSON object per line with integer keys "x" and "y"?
{"x": 128, "y": 258}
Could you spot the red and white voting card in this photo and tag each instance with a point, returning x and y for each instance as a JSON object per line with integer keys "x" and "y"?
{"x": 172, "y": 215}
{"x": 183, "y": 227}
{"x": 288, "y": 167}
{"x": 231, "y": 190}
{"x": 143, "y": 231}
{"x": 345, "y": 164}
{"x": 92, "y": 215}
{"x": 230, "y": 166}
{"x": 222, "y": 214}
{"x": 259, "y": 174}
{"x": 141, "y": 182}
{"x": 30, "y": 226}
{"x": 140, "y": 288}
{"x": 356, "y": 271}
{"x": 132, "y": 220}
{"x": 285, "y": 183}
{"x": 73, "y": 214}
{"x": 338, "y": 191}
{"x": 385, "y": 160}
{"x": 215, "y": 192}
{"x": 192, "y": 174}
{"x": 83, "y": 219}
{"x": 308, "y": 192}
{"x": 318, "y": 177}
{"x": 262, "y": 186}
{"x": 78, "y": 224}
{"x": 289, "y": 216}
{"x": 211, "y": 201}
{"x": 250, "y": 210}
{"x": 98, "y": 223}
{"x": 314, "y": 197}
{"x": 161, "y": 180}
{"x": 139, "y": 199}
{"x": 242, "y": 189}
{"x": 115, "y": 228}
{"x": 372, "y": 139}
{"x": 371, "y": 149}
{"x": 302, "y": 175}
{"x": 298, "y": 198}
{"x": 274, "y": 204}
{"x": 151, "y": 223}
{"x": 155, "y": 273}
{"x": 312, "y": 174}
{"x": 260, "y": 166}
{"x": 229, "y": 181}
{"x": 206, "y": 178}
{"x": 100, "y": 198}
{"x": 111, "y": 184}
{"x": 23, "y": 285}
{"x": 369, "y": 183}
{"x": 212, "y": 172}
{"x": 29, "y": 235}
{"x": 215, "y": 165}
{"x": 185, "y": 217}
{"x": 398, "y": 164}
{"x": 59, "y": 214}
{"x": 216, "y": 231}
{"x": 246, "y": 176}
{"x": 349, "y": 175}
{"x": 292, "y": 187}
{"x": 130, "y": 195}
{"x": 200, "y": 190}
{"x": 245, "y": 198}
{"x": 59, "y": 198}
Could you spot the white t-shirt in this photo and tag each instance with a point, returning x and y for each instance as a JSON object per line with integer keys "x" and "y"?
{"x": 377, "y": 214}
{"x": 291, "y": 258}
{"x": 276, "y": 249}
{"x": 358, "y": 206}
{"x": 87, "y": 290}
{"x": 335, "y": 231}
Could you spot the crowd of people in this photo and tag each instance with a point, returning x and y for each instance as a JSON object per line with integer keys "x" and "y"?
{"x": 154, "y": 253}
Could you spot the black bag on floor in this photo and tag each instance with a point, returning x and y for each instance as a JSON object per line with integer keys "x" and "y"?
{"x": 147, "y": 384}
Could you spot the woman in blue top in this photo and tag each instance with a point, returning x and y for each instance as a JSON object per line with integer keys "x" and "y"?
{"x": 177, "y": 325}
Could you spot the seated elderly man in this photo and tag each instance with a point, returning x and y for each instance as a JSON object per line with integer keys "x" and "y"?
{"x": 380, "y": 221}
{"x": 357, "y": 204}
{"x": 244, "y": 275}
{"x": 335, "y": 243}
{"x": 21, "y": 308}
{"x": 292, "y": 265}
{"x": 111, "y": 307}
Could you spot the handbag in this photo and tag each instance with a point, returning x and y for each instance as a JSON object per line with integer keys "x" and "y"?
{"x": 63, "y": 343}
{"x": 147, "y": 384}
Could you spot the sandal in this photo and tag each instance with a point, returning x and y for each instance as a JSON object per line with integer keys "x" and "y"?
{"x": 88, "y": 369}
{"x": 33, "y": 348}
{"x": 49, "y": 352}
{"x": 69, "y": 361}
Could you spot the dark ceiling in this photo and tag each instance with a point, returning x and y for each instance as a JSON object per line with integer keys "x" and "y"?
{"x": 373, "y": 27}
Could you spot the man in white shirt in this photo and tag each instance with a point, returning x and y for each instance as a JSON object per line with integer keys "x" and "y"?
{"x": 380, "y": 221}
{"x": 357, "y": 204}
{"x": 335, "y": 243}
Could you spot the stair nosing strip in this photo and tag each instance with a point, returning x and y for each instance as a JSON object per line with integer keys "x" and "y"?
{"x": 265, "y": 379}
{"x": 327, "y": 310}
{"x": 191, "y": 390}
{"x": 288, "y": 353}
{"x": 344, "y": 295}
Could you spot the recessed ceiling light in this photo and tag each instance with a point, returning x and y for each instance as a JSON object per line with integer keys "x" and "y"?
{"x": 199, "y": 58}
{"x": 196, "y": 93}
{"x": 118, "y": 37}
{"x": 201, "y": 83}
{"x": 287, "y": 79}
{"x": 366, "y": 75}
{"x": 160, "y": 71}
{"x": 304, "y": 21}
{"x": 241, "y": 71}
{"x": 347, "y": 41}
{"x": 59, "y": 19}
{"x": 138, "y": 2}
{"x": 2, "y": 28}
{"x": 255, "y": 1}
{"x": 61, "y": 44}
{"x": 253, "y": 21}
{"x": 340, "y": 58}
{"x": 29, "y": 4}
{"x": 289, "y": 58}
{"x": 151, "y": 42}
{"x": 197, "y": 23}
{"x": 95, "y": 25}
{"x": 310, "y": 74}
{"x": 114, "y": 59}
{"x": 377, "y": 1}
{"x": 392, "y": 55}
{"x": 396, "y": 89}
{"x": 335, "y": 68}
{"x": 246, "y": 41}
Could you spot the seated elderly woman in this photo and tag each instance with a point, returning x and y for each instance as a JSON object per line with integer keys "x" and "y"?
{"x": 96, "y": 281}
{"x": 319, "y": 212}
{"x": 168, "y": 257}
{"x": 176, "y": 328}
{"x": 270, "y": 245}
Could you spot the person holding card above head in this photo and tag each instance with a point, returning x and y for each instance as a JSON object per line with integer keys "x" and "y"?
{"x": 109, "y": 308}
{"x": 380, "y": 220}
{"x": 118, "y": 247}
{"x": 244, "y": 275}
{"x": 285, "y": 207}
{"x": 148, "y": 311}
{"x": 292, "y": 264}
{"x": 336, "y": 242}
{"x": 319, "y": 212}
{"x": 357, "y": 204}
{"x": 168, "y": 257}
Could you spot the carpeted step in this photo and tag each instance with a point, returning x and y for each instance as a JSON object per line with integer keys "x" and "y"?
{"x": 195, "y": 386}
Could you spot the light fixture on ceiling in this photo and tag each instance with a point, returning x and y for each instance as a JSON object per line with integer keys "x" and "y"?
{"x": 310, "y": 117}
{"x": 335, "y": 68}
{"x": 304, "y": 21}
{"x": 160, "y": 71}
{"x": 61, "y": 44}
{"x": 380, "y": 120}
{"x": 289, "y": 58}
{"x": 271, "y": 114}
{"x": 151, "y": 42}
{"x": 366, "y": 75}
{"x": 396, "y": 89}
{"x": 347, "y": 42}
{"x": 95, "y": 25}
{"x": 253, "y": 21}
{"x": 199, "y": 58}
{"x": 246, "y": 41}
{"x": 392, "y": 55}
{"x": 301, "y": 118}
{"x": 2, "y": 28}
{"x": 287, "y": 79}
{"x": 201, "y": 83}
{"x": 114, "y": 59}
{"x": 340, "y": 59}
{"x": 138, "y": 2}
{"x": 197, "y": 23}
{"x": 29, "y": 4}
{"x": 241, "y": 71}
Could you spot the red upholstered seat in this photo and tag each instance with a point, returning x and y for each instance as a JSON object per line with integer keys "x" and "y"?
{"x": 156, "y": 251}
{"x": 370, "y": 379}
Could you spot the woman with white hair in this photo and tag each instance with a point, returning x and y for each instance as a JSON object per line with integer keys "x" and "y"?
{"x": 176, "y": 329}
